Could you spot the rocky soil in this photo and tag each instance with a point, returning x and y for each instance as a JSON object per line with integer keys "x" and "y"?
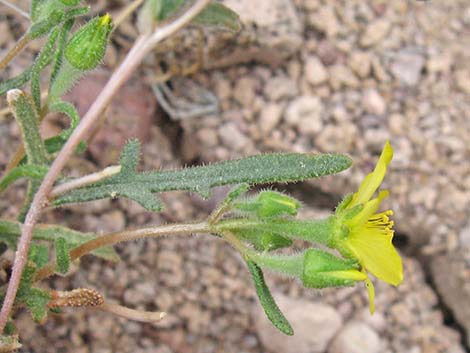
{"x": 321, "y": 76}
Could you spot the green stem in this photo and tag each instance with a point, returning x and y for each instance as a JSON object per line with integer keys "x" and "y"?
{"x": 318, "y": 231}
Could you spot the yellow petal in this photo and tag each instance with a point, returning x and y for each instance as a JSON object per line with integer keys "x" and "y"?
{"x": 371, "y": 292}
{"x": 375, "y": 252}
{"x": 373, "y": 180}
{"x": 370, "y": 207}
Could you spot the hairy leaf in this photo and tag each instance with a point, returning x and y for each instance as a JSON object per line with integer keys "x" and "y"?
{"x": 267, "y": 301}
{"x": 219, "y": 15}
{"x": 215, "y": 14}
{"x": 11, "y": 231}
{"x": 33, "y": 298}
{"x": 62, "y": 256}
{"x": 260, "y": 169}
{"x": 23, "y": 108}
{"x": 15, "y": 82}
{"x": 27, "y": 170}
{"x": 39, "y": 254}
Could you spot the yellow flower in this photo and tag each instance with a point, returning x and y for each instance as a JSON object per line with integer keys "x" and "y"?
{"x": 369, "y": 234}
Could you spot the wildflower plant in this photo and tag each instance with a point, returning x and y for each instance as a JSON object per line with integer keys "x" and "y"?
{"x": 356, "y": 240}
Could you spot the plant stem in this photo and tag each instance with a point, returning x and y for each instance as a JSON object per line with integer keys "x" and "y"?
{"x": 128, "y": 313}
{"x": 129, "y": 9}
{"x": 15, "y": 8}
{"x": 127, "y": 235}
{"x": 19, "y": 45}
{"x": 84, "y": 181}
{"x": 142, "y": 46}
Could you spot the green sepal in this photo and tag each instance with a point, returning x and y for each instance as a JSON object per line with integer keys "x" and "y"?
{"x": 62, "y": 256}
{"x": 322, "y": 270}
{"x": 270, "y": 307}
{"x": 235, "y": 193}
{"x": 344, "y": 203}
{"x": 86, "y": 49}
{"x": 314, "y": 231}
{"x": 264, "y": 241}
{"x": 260, "y": 169}
{"x": 32, "y": 171}
{"x": 269, "y": 204}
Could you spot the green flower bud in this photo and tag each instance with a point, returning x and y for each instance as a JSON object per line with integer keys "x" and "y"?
{"x": 269, "y": 204}
{"x": 263, "y": 240}
{"x": 87, "y": 47}
{"x": 322, "y": 269}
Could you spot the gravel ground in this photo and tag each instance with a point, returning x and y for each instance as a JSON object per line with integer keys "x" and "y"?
{"x": 323, "y": 76}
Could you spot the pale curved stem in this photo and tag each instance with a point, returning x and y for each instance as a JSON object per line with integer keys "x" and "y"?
{"x": 84, "y": 181}
{"x": 128, "y": 313}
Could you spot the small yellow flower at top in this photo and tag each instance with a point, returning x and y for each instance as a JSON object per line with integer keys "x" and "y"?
{"x": 369, "y": 235}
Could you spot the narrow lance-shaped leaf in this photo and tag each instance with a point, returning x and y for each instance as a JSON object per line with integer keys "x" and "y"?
{"x": 260, "y": 169}
{"x": 62, "y": 255}
{"x": 267, "y": 301}
{"x": 27, "y": 170}
{"x": 15, "y": 82}
{"x": 11, "y": 231}
{"x": 25, "y": 113}
{"x": 42, "y": 60}
{"x": 59, "y": 53}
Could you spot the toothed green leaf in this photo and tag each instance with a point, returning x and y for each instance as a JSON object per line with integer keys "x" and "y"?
{"x": 267, "y": 301}
{"x": 11, "y": 231}
{"x": 260, "y": 169}
{"x": 39, "y": 254}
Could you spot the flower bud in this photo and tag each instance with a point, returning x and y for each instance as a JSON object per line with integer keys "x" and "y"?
{"x": 322, "y": 269}
{"x": 263, "y": 240}
{"x": 87, "y": 47}
{"x": 270, "y": 204}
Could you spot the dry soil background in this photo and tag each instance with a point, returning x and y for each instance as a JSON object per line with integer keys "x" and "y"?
{"x": 305, "y": 76}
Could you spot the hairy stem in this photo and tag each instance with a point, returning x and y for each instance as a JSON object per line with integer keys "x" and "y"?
{"x": 142, "y": 46}
{"x": 127, "y": 235}
{"x": 20, "y": 44}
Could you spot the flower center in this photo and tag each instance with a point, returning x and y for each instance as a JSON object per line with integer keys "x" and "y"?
{"x": 381, "y": 222}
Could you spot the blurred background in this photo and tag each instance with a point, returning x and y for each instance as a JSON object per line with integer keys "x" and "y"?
{"x": 303, "y": 76}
